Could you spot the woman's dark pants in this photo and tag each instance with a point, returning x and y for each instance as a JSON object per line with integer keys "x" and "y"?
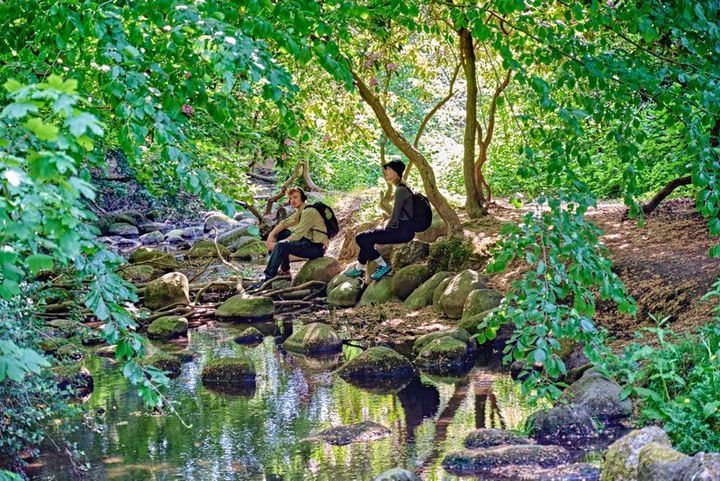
{"x": 367, "y": 240}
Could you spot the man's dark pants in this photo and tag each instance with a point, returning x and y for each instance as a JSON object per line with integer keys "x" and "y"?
{"x": 280, "y": 255}
{"x": 367, "y": 240}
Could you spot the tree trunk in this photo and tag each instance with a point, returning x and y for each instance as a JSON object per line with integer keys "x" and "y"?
{"x": 426, "y": 173}
{"x": 312, "y": 187}
{"x": 386, "y": 197}
{"x": 667, "y": 190}
{"x": 474, "y": 202}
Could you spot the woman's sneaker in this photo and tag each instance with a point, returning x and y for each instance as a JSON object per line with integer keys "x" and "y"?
{"x": 354, "y": 272}
{"x": 381, "y": 272}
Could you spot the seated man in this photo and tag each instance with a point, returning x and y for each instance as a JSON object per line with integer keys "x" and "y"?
{"x": 302, "y": 234}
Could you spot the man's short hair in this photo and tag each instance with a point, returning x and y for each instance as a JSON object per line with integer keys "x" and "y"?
{"x": 303, "y": 196}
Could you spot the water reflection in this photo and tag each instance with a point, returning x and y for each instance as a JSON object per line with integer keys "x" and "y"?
{"x": 257, "y": 434}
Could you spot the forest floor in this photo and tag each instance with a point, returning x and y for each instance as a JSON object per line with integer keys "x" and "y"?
{"x": 664, "y": 264}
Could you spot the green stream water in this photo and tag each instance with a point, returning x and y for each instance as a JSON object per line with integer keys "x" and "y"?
{"x": 259, "y": 435}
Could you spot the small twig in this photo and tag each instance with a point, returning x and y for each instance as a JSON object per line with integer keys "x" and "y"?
{"x": 172, "y": 312}
{"x": 268, "y": 282}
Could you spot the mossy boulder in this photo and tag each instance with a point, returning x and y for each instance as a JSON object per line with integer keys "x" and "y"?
{"x": 123, "y": 229}
{"x": 154, "y": 237}
{"x": 564, "y": 423}
{"x": 365, "y": 431}
{"x": 477, "y": 461}
{"x": 450, "y": 254}
{"x": 228, "y": 371}
{"x": 336, "y": 281}
{"x": 422, "y": 296}
{"x": 167, "y": 327}
{"x": 409, "y": 278}
{"x": 138, "y": 274}
{"x": 452, "y": 300}
{"x": 658, "y": 462}
{"x": 470, "y": 324}
{"x": 413, "y": 252}
{"x": 218, "y": 220}
{"x": 192, "y": 232}
{"x": 164, "y": 361}
{"x": 623, "y": 456}
{"x": 251, "y": 335}
{"x": 148, "y": 227}
{"x": 314, "y": 338}
{"x": 245, "y": 308}
{"x": 437, "y": 229}
{"x": 172, "y": 288}
{"x": 445, "y": 351}
{"x": 206, "y": 248}
{"x": 600, "y": 395}
{"x": 74, "y": 377}
{"x": 322, "y": 269}
{"x": 491, "y": 437}
{"x": 154, "y": 258}
{"x": 347, "y": 293}
{"x": 377, "y": 363}
{"x": 253, "y": 249}
{"x": 481, "y": 300}
{"x": 377, "y": 292}
{"x": 439, "y": 290}
{"x": 242, "y": 241}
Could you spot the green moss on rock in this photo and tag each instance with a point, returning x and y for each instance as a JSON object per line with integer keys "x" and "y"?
{"x": 154, "y": 258}
{"x": 409, "y": 278}
{"x": 314, "y": 338}
{"x": 165, "y": 362}
{"x": 245, "y": 308}
{"x": 172, "y": 288}
{"x": 481, "y": 300}
{"x": 167, "y": 327}
{"x": 205, "y": 248}
{"x": 138, "y": 274}
{"x": 251, "y": 249}
{"x": 377, "y": 292}
{"x": 423, "y": 295}
{"x": 228, "y": 370}
{"x": 322, "y": 269}
{"x": 251, "y": 335}
{"x": 347, "y": 293}
{"x": 377, "y": 363}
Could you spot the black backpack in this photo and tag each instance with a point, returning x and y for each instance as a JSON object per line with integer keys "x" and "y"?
{"x": 328, "y": 216}
{"x": 422, "y": 212}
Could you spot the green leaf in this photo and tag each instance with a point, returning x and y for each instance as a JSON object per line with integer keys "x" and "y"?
{"x": 12, "y": 85}
{"x": 42, "y": 130}
{"x": 39, "y": 262}
{"x": 711, "y": 408}
{"x": 79, "y": 124}
{"x": 18, "y": 110}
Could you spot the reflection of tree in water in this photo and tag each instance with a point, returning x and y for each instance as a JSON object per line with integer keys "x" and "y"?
{"x": 511, "y": 406}
{"x": 419, "y": 401}
{"x": 487, "y": 413}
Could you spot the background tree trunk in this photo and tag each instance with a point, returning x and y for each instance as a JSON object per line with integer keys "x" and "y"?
{"x": 474, "y": 201}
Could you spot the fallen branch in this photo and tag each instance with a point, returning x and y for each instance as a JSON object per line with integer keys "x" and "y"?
{"x": 264, "y": 178}
{"x": 302, "y": 286}
{"x": 208, "y": 286}
{"x": 268, "y": 282}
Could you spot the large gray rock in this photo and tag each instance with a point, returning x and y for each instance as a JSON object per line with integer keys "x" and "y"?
{"x": 409, "y": 278}
{"x": 192, "y": 232}
{"x": 172, "y": 288}
{"x": 242, "y": 241}
{"x": 601, "y": 396}
{"x": 154, "y": 237}
{"x": 413, "y": 252}
{"x": 481, "y": 300}
{"x": 623, "y": 456}
{"x": 123, "y": 229}
{"x": 563, "y": 423}
{"x": 452, "y": 300}
{"x": 491, "y": 437}
{"x": 359, "y": 432}
{"x": 470, "y": 324}
{"x": 346, "y": 294}
{"x": 147, "y": 227}
{"x": 313, "y": 338}
{"x": 478, "y": 461}
{"x": 322, "y": 269}
{"x": 397, "y": 474}
{"x": 245, "y": 308}
{"x": 660, "y": 462}
{"x": 377, "y": 292}
{"x": 422, "y": 296}
{"x": 218, "y": 220}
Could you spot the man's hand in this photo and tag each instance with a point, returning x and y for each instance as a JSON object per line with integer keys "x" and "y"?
{"x": 270, "y": 244}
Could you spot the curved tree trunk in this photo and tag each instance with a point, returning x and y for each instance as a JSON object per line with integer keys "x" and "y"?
{"x": 426, "y": 173}
{"x": 386, "y": 197}
{"x": 474, "y": 202}
{"x": 312, "y": 187}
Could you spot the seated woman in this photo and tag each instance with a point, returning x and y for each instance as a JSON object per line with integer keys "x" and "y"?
{"x": 398, "y": 230}
{"x": 302, "y": 234}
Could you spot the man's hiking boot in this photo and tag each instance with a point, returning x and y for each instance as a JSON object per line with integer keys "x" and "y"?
{"x": 381, "y": 272}
{"x": 283, "y": 272}
{"x": 354, "y": 272}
